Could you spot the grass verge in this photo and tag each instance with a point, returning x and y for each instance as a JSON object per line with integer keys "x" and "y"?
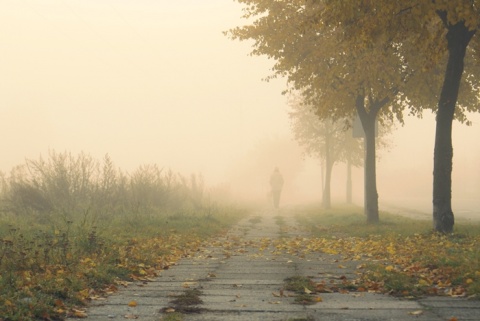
{"x": 402, "y": 256}
{"x": 49, "y": 272}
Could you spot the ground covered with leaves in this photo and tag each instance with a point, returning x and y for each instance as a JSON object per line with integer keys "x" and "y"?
{"x": 399, "y": 256}
{"x": 49, "y": 274}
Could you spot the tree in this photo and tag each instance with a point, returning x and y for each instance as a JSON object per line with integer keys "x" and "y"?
{"x": 383, "y": 55}
{"x": 435, "y": 36}
{"x": 339, "y": 74}
{"x": 329, "y": 140}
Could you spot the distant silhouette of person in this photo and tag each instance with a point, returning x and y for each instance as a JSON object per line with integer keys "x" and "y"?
{"x": 276, "y": 185}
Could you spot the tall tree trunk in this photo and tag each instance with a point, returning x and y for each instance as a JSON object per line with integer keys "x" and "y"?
{"x": 322, "y": 171}
{"x": 458, "y": 37}
{"x": 349, "y": 182}
{"x": 326, "y": 202}
{"x": 326, "y": 191}
{"x": 371, "y": 195}
{"x": 370, "y": 180}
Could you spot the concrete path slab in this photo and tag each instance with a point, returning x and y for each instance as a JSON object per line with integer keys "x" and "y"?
{"x": 241, "y": 277}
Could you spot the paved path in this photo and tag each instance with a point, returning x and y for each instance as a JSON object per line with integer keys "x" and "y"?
{"x": 241, "y": 277}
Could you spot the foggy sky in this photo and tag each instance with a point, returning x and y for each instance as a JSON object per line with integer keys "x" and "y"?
{"x": 156, "y": 81}
{"x": 145, "y": 81}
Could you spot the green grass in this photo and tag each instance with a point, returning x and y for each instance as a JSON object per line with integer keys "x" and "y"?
{"x": 419, "y": 261}
{"x": 300, "y": 285}
{"x": 53, "y": 268}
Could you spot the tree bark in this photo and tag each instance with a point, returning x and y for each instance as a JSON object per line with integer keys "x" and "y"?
{"x": 371, "y": 195}
{"x": 326, "y": 202}
{"x": 458, "y": 37}
{"x": 349, "y": 182}
{"x": 370, "y": 179}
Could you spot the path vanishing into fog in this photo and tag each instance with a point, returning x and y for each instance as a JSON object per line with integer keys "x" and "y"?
{"x": 240, "y": 276}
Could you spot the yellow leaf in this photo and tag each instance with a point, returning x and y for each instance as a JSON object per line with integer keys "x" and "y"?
{"x": 307, "y": 291}
{"x": 132, "y": 303}
{"x": 188, "y": 284}
{"x": 8, "y": 303}
{"x": 169, "y": 310}
{"x": 389, "y": 268}
{"x": 84, "y": 293}
{"x": 79, "y": 313}
{"x": 418, "y": 312}
{"x": 469, "y": 281}
{"x": 318, "y": 299}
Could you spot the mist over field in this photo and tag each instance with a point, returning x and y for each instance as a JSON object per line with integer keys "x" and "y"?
{"x": 156, "y": 82}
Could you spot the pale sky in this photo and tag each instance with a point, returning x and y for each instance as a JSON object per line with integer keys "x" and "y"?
{"x": 146, "y": 81}
{"x": 156, "y": 81}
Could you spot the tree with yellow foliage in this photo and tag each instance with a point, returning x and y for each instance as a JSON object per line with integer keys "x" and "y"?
{"x": 375, "y": 58}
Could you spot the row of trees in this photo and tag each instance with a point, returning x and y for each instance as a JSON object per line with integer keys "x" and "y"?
{"x": 376, "y": 59}
{"x": 80, "y": 188}
{"x": 331, "y": 141}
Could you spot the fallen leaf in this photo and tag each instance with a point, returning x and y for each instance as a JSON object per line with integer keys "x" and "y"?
{"x": 307, "y": 291}
{"x": 132, "y": 303}
{"x": 188, "y": 284}
{"x": 418, "y": 312}
{"x": 79, "y": 314}
{"x": 131, "y": 316}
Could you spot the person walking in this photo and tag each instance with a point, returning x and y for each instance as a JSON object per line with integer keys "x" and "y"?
{"x": 276, "y": 185}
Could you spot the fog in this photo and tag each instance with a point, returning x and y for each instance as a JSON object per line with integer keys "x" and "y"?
{"x": 155, "y": 81}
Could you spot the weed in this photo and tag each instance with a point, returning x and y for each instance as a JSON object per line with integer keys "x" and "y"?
{"x": 186, "y": 302}
{"x": 298, "y": 284}
{"x": 303, "y": 287}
